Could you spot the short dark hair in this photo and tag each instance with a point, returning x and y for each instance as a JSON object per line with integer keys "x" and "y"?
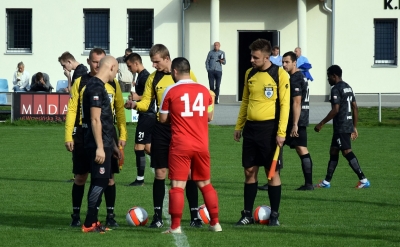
{"x": 262, "y": 45}
{"x": 292, "y": 56}
{"x": 128, "y": 49}
{"x": 335, "y": 70}
{"x": 133, "y": 57}
{"x": 181, "y": 65}
{"x": 275, "y": 48}
{"x": 38, "y": 76}
{"x": 66, "y": 56}
{"x": 160, "y": 49}
{"x": 97, "y": 51}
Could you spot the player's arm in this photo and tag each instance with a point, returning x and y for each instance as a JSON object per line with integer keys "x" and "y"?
{"x": 120, "y": 115}
{"x": 241, "y": 120}
{"x": 71, "y": 115}
{"x": 147, "y": 96}
{"x": 329, "y": 117}
{"x": 164, "y": 107}
{"x": 210, "y": 108}
{"x": 354, "y": 110}
{"x": 284, "y": 104}
{"x": 207, "y": 60}
{"x": 95, "y": 113}
{"x": 296, "y": 115}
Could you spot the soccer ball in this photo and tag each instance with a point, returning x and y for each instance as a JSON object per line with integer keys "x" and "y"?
{"x": 261, "y": 214}
{"x": 137, "y": 216}
{"x": 203, "y": 214}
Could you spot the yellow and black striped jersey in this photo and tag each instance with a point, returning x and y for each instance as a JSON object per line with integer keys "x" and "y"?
{"x": 74, "y": 112}
{"x": 260, "y": 94}
{"x": 157, "y": 92}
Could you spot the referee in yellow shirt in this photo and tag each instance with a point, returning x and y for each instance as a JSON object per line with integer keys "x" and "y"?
{"x": 263, "y": 117}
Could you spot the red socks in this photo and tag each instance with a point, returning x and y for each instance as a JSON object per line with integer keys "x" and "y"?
{"x": 176, "y": 204}
{"x": 211, "y": 201}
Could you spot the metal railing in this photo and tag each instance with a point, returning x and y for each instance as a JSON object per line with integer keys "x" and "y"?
{"x": 379, "y": 101}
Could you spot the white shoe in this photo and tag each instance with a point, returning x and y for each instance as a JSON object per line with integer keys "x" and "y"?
{"x": 177, "y": 230}
{"x": 215, "y": 228}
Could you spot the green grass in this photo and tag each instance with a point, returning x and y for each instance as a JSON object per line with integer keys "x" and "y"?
{"x": 36, "y": 200}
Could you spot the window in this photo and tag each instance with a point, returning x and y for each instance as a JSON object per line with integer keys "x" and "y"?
{"x": 19, "y": 30}
{"x": 385, "y": 41}
{"x": 97, "y": 29}
{"x": 140, "y": 29}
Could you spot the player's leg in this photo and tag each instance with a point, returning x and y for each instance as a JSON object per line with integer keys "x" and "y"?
{"x": 192, "y": 195}
{"x": 140, "y": 165}
{"x": 218, "y": 77}
{"x": 250, "y": 157}
{"x": 353, "y": 161}
{"x": 160, "y": 140}
{"x": 306, "y": 162}
{"x": 333, "y": 161}
{"x": 201, "y": 174}
{"x": 81, "y": 167}
{"x": 100, "y": 175}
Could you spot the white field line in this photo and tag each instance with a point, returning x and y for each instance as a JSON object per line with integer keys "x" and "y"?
{"x": 180, "y": 239}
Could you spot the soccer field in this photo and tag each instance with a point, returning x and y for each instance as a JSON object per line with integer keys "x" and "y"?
{"x": 36, "y": 199}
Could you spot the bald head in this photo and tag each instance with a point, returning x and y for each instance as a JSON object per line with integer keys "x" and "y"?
{"x": 108, "y": 69}
{"x": 297, "y": 50}
{"x": 217, "y": 45}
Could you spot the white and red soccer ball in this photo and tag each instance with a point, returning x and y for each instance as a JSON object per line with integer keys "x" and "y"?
{"x": 203, "y": 214}
{"x": 261, "y": 214}
{"x": 137, "y": 216}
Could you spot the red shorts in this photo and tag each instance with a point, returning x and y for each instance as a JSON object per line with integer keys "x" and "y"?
{"x": 181, "y": 162}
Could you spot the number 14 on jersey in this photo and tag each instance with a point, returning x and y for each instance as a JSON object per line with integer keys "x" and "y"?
{"x": 198, "y": 105}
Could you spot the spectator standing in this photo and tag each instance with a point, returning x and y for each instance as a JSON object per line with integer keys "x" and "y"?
{"x": 21, "y": 79}
{"x": 68, "y": 62}
{"x": 275, "y": 58}
{"x": 125, "y": 77}
{"x": 215, "y": 59}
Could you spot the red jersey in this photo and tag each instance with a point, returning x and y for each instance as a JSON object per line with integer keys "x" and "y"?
{"x": 187, "y": 103}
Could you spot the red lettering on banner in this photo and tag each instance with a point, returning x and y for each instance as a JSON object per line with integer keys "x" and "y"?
{"x": 52, "y": 104}
{"x": 26, "y": 104}
{"x": 39, "y": 102}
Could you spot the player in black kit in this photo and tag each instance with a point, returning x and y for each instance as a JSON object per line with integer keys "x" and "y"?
{"x": 296, "y": 131}
{"x": 97, "y": 123}
{"x": 345, "y": 116}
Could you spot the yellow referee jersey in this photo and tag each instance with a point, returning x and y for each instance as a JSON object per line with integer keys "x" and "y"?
{"x": 117, "y": 106}
{"x": 149, "y": 93}
{"x": 260, "y": 94}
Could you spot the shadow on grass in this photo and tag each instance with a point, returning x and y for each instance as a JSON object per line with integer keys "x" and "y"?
{"x": 67, "y": 181}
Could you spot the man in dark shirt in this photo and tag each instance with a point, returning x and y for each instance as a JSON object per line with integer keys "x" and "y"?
{"x": 97, "y": 122}
{"x": 345, "y": 116}
{"x": 146, "y": 120}
{"x": 296, "y": 131}
{"x": 68, "y": 62}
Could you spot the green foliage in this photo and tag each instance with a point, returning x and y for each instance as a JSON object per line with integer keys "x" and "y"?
{"x": 36, "y": 199}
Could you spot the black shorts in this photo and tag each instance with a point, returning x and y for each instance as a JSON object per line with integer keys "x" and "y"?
{"x": 341, "y": 141}
{"x": 144, "y": 128}
{"x": 160, "y": 140}
{"x": 114, "y": 161}
{"x": 103, "y": 170}
{"x": 300, "y": 141}
{"x": 80, "y": 163}
{"x": 259, "y": 144}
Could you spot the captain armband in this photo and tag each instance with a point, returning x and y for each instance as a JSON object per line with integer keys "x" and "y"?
{"x": 210, "y": 108}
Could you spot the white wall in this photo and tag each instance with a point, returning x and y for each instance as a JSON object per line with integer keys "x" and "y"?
{"x": 354, "y": 39}
{"x": 57, "y": 26}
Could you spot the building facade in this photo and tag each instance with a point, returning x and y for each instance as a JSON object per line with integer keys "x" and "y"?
{"x": 360, "y": 36}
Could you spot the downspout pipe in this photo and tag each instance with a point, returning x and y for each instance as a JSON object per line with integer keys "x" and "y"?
{"x": 185, "y": 5}
{"x": 332, "y": 13}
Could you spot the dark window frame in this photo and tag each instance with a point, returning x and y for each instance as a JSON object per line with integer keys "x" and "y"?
{"x": 96, "y": 29}
{"x": 18, "y": 30}
{"x": 140, "y": 29}
{"x": 385, "y": 41}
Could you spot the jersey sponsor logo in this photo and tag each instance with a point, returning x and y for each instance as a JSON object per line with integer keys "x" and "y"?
{"x": 102, "y": 170}
{"x": 95, "y": 97}
{"x": 84, "y": 125}
{"x": 349, "y": 117}
{"x": 269, "y": 92}
{"x": 334, "y": 97}
{"x": 347, "y": 90}
{"x": 305, "y": 107}
{"x": 296, "y": 89}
